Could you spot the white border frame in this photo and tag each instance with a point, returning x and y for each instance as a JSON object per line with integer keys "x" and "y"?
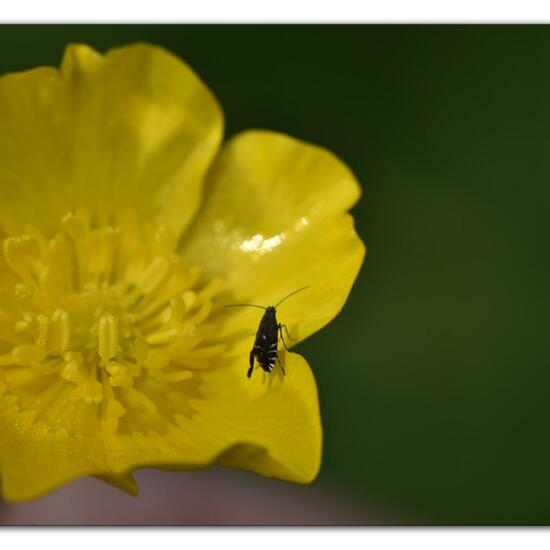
{"x": 287, "y": 11}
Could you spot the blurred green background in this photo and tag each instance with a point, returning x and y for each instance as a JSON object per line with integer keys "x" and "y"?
{"x": 434, "y": 380}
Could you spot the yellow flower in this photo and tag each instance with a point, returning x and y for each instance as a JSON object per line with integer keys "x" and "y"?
{"x": 125, "y": 230}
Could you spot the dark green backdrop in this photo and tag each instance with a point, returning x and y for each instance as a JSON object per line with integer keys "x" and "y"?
{"x": 434, "y": 380}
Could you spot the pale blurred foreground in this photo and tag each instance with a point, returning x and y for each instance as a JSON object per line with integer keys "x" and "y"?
{"x": 213, "y": 497}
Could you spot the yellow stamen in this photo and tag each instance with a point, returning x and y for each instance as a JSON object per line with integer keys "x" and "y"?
{"x": 98, "y": 318}
{"x": 108, "y": 337}
{"x": 60, "y": 331}
{"x": 26, "y": 355}
{"x": 42, "y": 333}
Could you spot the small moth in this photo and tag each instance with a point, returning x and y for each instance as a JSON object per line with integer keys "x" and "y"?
{"x": 267, "y": 337}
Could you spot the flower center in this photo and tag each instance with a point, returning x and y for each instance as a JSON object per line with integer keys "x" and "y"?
{"x": 97, "y": 321}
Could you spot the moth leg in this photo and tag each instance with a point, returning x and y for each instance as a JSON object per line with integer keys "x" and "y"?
{"x": 249, "y": 373}
{"x": 282, "y": 338}
{"x": 287, "y": 334}
{"x": 281, "y": 365}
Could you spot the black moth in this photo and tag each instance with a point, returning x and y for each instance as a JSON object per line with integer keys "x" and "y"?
{"x": 267, "y": 337}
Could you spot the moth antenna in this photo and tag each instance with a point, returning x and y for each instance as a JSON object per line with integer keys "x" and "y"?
{"x": 245, "y": 305}
{"x": 291, "y": 294}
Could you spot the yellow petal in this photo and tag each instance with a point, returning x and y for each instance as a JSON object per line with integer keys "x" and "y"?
{"x": 269, "y": 424}
{"x": 35, "y": 459}
{"x": 274, "y": 220}
{"x": 126, "y": 482}
{"x": 134, "y": 128}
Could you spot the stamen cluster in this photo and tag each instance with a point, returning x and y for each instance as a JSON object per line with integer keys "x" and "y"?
{"x": 97, "y": 319}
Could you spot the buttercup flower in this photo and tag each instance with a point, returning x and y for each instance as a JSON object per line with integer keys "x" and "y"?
{"x": 126, "y": 227}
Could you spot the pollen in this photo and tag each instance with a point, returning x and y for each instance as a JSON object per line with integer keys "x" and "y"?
{"x": 103, "y": 327}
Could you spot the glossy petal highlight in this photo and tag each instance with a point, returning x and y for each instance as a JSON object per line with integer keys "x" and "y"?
{"x": 275, "y": 219}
